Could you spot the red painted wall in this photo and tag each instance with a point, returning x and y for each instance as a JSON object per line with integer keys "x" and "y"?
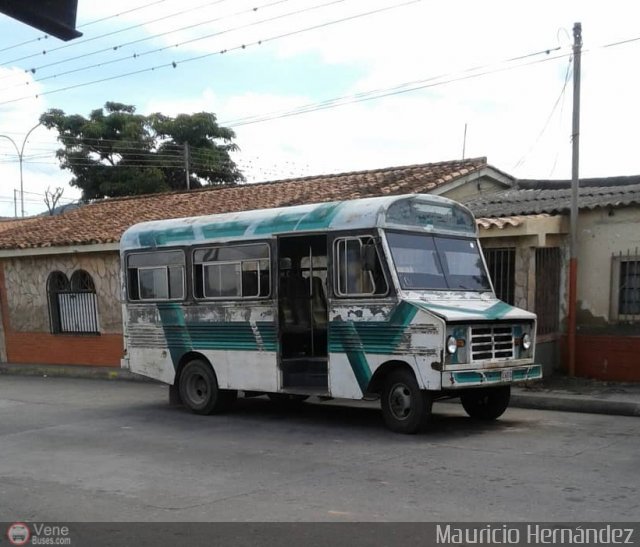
{"x": 608, "y": 357}
{"x": 44, "y": 348}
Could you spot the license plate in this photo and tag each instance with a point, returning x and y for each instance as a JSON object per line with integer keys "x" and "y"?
{"x": 507, "y": 375}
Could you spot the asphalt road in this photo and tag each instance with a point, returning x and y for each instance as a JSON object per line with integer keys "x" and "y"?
{"x": 96, "y": 450}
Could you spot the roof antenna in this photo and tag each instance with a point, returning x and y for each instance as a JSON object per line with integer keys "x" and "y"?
{"x": 464, "y": 140}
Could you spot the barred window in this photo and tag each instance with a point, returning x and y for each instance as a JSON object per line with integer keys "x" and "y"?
{"x": 501, "y": 265}
{"x": 625, "y": 286}
{"x": 629, "y": 293}
{"x": 73, "y": 304}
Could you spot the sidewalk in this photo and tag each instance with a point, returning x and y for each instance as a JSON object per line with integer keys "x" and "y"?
{"x": 579, "y": 395}
{"x": 553, "y": 393}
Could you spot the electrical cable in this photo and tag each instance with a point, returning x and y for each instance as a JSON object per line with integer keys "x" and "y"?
{"x": 151, "y": 37}
{"x": 568, "y": 73}
{"x": 92, "y": 38}
{"x": 175, "y": 64}
{"x": 46, "y": 36}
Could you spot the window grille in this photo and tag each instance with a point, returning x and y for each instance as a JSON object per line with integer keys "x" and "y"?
{"x": 625, "y": 298}
{"x": 501, "y": 264}
{"x": 72, "y": 304}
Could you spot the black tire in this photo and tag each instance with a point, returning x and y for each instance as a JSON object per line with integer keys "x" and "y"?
{"x": 405, "y": 407}
{"x": 486, "y": 403}
{"x": 199, "y": 390}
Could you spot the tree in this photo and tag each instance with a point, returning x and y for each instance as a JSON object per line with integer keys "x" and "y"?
{"x": 116, "y": 152}
{"x": 51, "y": 198}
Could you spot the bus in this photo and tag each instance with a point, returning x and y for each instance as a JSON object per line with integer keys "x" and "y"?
{"x": 383, "y": 298}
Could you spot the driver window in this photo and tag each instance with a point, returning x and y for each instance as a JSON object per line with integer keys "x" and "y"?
{"x": 354, "y": 276}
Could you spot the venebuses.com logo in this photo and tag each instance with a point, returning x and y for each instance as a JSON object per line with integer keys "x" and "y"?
{"x": 18, "y": 533}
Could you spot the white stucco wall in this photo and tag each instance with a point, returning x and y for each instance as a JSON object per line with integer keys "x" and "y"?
{"x": 602, "y": 233}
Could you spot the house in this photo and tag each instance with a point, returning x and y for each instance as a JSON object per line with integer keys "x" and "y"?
{"x": 60, "y": 275}
{"x": 608, "y": 292}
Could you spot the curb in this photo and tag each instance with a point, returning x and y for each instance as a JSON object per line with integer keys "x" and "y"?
{"x": 563, "y": 403}
{"x": 575, "y": 404}
{"x": 72, "y": 371}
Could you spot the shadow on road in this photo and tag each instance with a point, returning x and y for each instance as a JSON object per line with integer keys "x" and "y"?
{"x": 250, "y": 415}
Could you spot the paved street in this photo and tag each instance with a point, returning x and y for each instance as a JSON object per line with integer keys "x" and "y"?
{"x": 87, "y": 450}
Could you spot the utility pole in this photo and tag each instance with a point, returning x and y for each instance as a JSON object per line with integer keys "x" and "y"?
{"x": 15, "y": 203}
{"x": 464, "y": 141}
{"x": 186, "y": 165}
{"x": 575, "y": 165}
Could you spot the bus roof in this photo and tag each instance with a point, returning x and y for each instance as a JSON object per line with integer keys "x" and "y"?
{"x": 423, "y": 212}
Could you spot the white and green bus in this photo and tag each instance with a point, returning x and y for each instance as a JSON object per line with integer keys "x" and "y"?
{"x": 380, "y": 298}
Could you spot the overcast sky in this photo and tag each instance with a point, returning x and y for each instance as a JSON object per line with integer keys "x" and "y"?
{"x": 516, "y": 112}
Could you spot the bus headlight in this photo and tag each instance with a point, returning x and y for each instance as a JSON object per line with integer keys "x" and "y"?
{"x": 452, "y": 345}
{"x": 526, "y": 341}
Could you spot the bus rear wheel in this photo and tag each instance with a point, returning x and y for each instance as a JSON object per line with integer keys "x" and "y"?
{"x": 199, "y": 389}
{"x": 405, "y": 407}
{"x": 486, "y": 403}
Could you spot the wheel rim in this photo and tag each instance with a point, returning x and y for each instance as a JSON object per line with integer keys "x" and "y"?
{"x": 197, "y": 388}
{"x": 400, "y": 401}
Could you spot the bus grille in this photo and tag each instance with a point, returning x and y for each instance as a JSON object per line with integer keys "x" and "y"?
{"x": 489, "y": 343}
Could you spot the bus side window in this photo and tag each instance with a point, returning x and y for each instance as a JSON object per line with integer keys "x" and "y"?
{"x": 232, "y": 271}
{"x": 156, "y": 276}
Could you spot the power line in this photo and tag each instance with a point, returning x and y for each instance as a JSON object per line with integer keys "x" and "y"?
{"x": 93, "y": 38}
{"x": 125, "y": 12}
{"x": 175, "y": 64}
{"x": 381, "y": 93}
{"x": 46, "y": 36}
{"x": 405, "y": 87}
{"x": 164, "y": 48}
{"x": 549, "y": 117}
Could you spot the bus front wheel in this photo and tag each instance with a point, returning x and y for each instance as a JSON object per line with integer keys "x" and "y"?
{"x": 486, "y": 403}
{"x": 199, "y": 389}
{"x": 405, "y": 407}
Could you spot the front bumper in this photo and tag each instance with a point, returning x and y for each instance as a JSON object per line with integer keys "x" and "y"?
{"x": 460, "y": 379}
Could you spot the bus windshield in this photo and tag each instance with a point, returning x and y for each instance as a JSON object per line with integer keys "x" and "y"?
{"x": 434, "y": 262}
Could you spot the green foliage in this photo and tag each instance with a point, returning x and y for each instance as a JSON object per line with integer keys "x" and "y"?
{"x": 116, "y": 152}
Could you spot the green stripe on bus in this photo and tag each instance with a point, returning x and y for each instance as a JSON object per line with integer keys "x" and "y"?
{"x": 286, "y": 221}
{"x": 153, "y": 238}
{"x": 375, "y": 337}
{"x": 357, "y": 339}
{"x": 179, "y": 342}
{"x": 226, "y": 229}
{"x": 497, "y": 311}
{"x": 182, "y": 336}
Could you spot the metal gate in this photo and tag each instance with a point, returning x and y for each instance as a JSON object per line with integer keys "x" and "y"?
{"x": 547, "y": 304}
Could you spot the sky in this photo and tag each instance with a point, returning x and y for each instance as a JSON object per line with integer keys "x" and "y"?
{"x": 412, "y": 78}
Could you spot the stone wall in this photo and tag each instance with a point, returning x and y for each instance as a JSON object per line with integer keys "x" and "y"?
{"x": 26, "y": 289}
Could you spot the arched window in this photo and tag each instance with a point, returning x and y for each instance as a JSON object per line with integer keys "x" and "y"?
{"x": 73, "y": 305}
{"x": 57, "y": 283}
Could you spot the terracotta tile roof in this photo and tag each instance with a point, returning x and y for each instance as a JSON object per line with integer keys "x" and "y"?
{"x": 106, "y": 220}
{"x": 10, "y": 223}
